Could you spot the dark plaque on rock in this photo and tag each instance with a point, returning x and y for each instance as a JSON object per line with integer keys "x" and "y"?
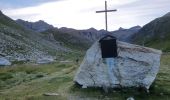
{"x": 108, "y": 46}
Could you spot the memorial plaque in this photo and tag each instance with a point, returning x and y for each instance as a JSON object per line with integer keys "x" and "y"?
{"x": 108, "y": 47}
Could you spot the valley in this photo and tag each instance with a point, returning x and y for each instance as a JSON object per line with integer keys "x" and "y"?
{"x": 31, "y": 74}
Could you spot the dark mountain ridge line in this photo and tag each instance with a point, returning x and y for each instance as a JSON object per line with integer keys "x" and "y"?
{"x": 90, "y": 34}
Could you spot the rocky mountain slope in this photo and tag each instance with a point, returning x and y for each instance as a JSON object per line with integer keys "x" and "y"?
{"x": 126, "y": 34}
{"x": 38, "y": 26}
{"x": 93, "y": 34}
{"x": 67, "y": 39}
{"x": 155, "y": 34}
{"x": 20, "y": 44}
{"x": 90, "y": 34}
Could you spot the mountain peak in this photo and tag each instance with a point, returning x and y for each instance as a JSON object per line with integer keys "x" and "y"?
{"x": 121, "y": 28}
{"x": 41, "y": 21}
{"x": 1, "y": 13}
{"x": 38, "y": 26}
{"x": 92, "y": 29}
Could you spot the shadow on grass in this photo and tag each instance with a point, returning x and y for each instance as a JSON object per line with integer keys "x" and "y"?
{"x": 155, "y": 93}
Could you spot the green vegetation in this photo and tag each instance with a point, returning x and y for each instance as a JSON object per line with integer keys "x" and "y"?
{"x": 156, "y": 42}
{"x": 30, "y": 82}
{"x": 155, "y": 34}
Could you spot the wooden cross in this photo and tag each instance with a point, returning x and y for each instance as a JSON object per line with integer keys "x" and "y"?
{"x": 106, "y": 11}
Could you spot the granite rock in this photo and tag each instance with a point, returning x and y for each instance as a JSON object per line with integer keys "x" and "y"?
{"x": 135, "y": 66}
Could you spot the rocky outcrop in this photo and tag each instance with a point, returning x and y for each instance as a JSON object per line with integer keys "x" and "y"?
{"x": 135, "y": 66}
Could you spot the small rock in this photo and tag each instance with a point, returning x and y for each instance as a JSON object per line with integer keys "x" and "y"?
{"x": 84, "y": 86}
{"x": 130, "y": 98}
{"x": 161, "y": 94}
{"x": 4, "y": 62}
{"x": 156, "y": 86}
{"x": 50, "y": 94}
{"x": 45, "y": 60}
{"x": 105, "y": 89}
{"x": 66, "y": 61}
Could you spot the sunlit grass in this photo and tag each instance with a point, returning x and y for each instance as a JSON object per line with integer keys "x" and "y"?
{"x": 58, "y": 78}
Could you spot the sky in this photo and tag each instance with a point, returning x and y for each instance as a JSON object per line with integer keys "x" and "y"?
{"x": 80, "y": 14}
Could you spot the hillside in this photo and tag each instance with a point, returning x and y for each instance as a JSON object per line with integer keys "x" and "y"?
{"x": 155, "y": 34}
{"x": 67, "y": 39}
{"x": 18, "y": 43}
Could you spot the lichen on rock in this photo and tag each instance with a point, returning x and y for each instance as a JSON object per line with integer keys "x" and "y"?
{"x": 135, "y": 66}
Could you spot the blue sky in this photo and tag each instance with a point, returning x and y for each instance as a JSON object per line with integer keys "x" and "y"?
{"x": 80, "y": 14}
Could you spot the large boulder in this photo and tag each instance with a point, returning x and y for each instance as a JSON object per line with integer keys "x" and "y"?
{"x": 135, "y": 66}
{"x": 4, "y": 62}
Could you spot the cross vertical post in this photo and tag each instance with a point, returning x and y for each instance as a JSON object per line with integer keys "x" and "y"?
{"x": 106, "y": 15}
{"x": 106, "y": 11}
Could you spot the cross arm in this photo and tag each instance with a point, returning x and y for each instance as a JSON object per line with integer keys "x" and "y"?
{"x": 106, "y": 11}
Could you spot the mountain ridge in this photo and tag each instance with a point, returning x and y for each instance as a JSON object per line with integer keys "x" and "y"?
{"x": 90, "y": 34}
{"x": 155, "y": 34}
{"x": 38, "y": 26}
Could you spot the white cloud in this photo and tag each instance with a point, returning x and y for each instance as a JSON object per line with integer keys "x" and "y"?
{"x": 80, "y": 14}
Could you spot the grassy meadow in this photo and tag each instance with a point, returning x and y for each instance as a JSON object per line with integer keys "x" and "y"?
{"x": 31, "y": 81}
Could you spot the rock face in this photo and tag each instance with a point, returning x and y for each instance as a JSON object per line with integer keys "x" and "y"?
{"x": 135, "y": 66}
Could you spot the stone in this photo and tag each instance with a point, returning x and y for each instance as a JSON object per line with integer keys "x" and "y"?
{"x": 130, "y": 98}
{"x": 45, "y": 60}
{"x": 161, "y": 94}
{"x": 50, "y": 94}
{"x": 84, "y": 87}
{"x": 4, "y": 62}
{"x": 135, "y": 66}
